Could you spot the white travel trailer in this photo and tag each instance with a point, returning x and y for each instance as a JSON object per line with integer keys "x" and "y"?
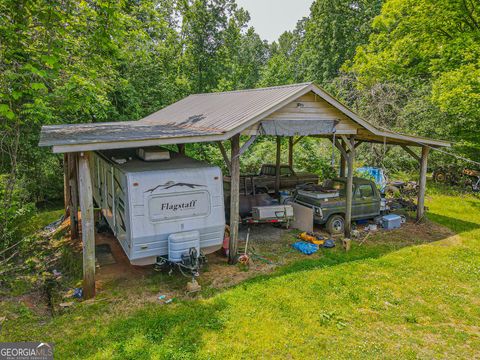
{"x": 159, "y": 208}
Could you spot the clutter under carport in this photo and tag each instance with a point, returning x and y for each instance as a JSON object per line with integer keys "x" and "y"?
{"x": 291, "y": 111}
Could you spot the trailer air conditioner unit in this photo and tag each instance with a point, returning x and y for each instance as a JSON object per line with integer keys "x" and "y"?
{"x": 160, "y": 208}
{"x": 153, "y": 154}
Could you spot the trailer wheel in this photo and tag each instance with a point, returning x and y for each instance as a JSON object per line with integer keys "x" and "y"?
{"x": 336, "y": 224}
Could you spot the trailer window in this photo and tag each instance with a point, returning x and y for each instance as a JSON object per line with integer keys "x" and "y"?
{"x": 179, "y": 205}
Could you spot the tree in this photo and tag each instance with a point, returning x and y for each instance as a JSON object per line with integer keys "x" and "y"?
{"x": 430, "y": 50}
{"x": 332, "y": 32}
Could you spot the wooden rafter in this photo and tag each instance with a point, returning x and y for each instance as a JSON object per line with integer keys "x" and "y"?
{"x": 225, "y": 156}
{"x": 410, "y": 151}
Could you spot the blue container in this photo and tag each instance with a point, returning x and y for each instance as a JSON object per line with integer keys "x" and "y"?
{"x": 391, "y": 221}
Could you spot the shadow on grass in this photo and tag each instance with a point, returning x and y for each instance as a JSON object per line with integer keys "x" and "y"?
{"x": 156, "y": 331}
{"x": 371, "y": 251}
{"x": 329, "y": 258}
{"x": 455, "y": 224}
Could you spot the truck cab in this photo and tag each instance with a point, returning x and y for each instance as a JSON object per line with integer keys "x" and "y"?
{"x": 329, "y": 204}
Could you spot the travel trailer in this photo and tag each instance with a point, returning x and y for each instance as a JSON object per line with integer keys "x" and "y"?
{"x": 159, "y": 203}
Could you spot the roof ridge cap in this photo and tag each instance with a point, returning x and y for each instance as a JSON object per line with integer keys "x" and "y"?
{"x": 256, "y": 89}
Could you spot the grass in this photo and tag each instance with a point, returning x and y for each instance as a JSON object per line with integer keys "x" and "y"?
{"x": 41, "y": 218}
{"x": 417, "y": 302}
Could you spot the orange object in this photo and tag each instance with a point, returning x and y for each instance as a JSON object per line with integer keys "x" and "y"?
{"x": 312, "y": 237}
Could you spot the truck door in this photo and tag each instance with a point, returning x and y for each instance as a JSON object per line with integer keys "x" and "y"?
{"x": 288, "y": 179}
{"x": 365, "y": 202}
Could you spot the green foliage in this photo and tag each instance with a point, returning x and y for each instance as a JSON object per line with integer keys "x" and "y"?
{"x": 421, "y": 70}
{"x": 332, "y": 33}
{"x": 76, "y": 62}
{"x": 15, "y": 215}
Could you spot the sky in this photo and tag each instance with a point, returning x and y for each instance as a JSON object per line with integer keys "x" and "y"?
{"x": 271, "y": 18}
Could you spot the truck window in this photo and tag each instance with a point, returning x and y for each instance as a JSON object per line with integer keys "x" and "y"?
{"x": 364, "y": 191}
{"x": 285, "y": 171}
{"x": 335, "y": 185}
{"x": 268, "y": 170}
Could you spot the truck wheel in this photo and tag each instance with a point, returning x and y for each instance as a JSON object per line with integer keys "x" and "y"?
{"x": 439, "y": 176}
{"x": 336, "y": 225}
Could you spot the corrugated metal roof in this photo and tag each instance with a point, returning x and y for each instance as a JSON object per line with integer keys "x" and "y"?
{"x": 223, "y": 111}
{"x": 205, "y": 118}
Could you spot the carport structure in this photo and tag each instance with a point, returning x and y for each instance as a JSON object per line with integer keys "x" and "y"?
{"x": 292, "y": 111}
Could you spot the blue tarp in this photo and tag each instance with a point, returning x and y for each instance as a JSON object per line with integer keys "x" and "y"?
{"x": 377, "y": 174}
{"x": 305, "y": 247}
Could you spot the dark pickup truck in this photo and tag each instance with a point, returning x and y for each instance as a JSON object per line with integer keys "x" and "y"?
{"x": 328, "y": 202}
{"x": 264, "y": 182}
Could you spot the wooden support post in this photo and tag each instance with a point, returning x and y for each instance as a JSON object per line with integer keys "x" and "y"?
{"x": 234, "y": 198}
{"x": 66, "y": 185}
{"x": 277, "y": 166}
{"x": 349, "y": 189}
{"x": 73, "y": 182}
{"x": 343, "y": 164}
{"x": 290, "y": 152}
{"x": 88, "y": 225}
{"x": 422, "y": 183}
{"x": 181, "y": 148}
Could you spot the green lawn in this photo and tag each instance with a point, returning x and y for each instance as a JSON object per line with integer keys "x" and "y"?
{"x": 417, "y": 302}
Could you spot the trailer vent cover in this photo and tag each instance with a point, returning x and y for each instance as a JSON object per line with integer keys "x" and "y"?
{"x": 153, "y": 154}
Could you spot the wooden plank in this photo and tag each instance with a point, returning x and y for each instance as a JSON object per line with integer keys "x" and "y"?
{"x": 337, "y": 132}
{"x": 349, "y": 146}
{"x": 410, "y": 151}
{"x": 343, "y": 164}
{"x": 344, "y": 125}
{"x": 225, "y": 156}
{"x": 297, "y": 140}
{"x": 318, "y": 109}
{"x": 88, "y": 225}
{"x": 349, "y": 189}
{"x": 340, "y": 147}
{"x": 422, "y": 183}
{"x": 234, "y": 198}
{"x": 290, "y": 151}
{"x": 73, "y": 182}
{"x": 247, "y": 144}
{"x": 299, "y": 116}
{"x": 360, "y": 142}
{"x": 66, "y": 186}
{"x": 277, "y": 165}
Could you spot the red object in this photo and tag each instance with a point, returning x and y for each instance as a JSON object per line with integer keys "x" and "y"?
{"x": 226, "y": 244}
